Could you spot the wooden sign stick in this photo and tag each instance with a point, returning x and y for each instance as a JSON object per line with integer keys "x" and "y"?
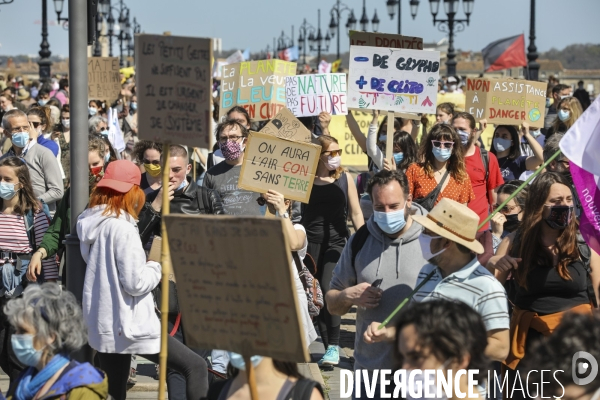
{"x": 251, "y": 378}
{"x": 165, "y": 261}
{"x": 389, "y": 144}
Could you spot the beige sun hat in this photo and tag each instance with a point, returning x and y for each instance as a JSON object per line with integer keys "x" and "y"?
{"x": 455, "y": 222}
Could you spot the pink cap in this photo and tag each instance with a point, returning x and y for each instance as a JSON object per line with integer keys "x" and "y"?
{"x": 120, "y": 176}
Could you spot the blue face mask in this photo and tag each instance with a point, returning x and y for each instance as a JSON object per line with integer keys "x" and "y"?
{"x": 106, "y": 158}
{"x": 183, "y": 184}
{"x": 92, "y": 111}
{"x": 464, "y": 137}
{"x": 547, "y": 102}
{"x": 563, "y": 115}
{"x": 391, "y": 222}
{"x": 536, "y": 133}
{"x": 7, "y": 190}
{"x": 398, "y": 157}
{"x": 133, "y": 106}
{"x": 237, "y": 360}
{"x": 42, "y": 102}
{"x": 502, "y": 144}
{"x": 24, "y": 350}
{"x": 382, "y": 138}
{"x": 442, "y": 154}
{"x": 104, "y": 132}
{"x": 20, "y": 139}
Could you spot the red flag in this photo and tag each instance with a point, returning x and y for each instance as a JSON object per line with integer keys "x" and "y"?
{"x": 505, "y": 53}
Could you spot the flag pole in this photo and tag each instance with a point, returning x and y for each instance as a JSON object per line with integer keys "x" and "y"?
{"x": 485, "y": 221}
{"x": 165, "y": 263}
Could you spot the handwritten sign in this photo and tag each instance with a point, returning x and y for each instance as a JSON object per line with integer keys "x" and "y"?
{"x": 393, "y": 79}
{"x": 258, "y": 86}
{"x": 286, "y": 126}
{"x": 376, "y": 39}
{"x": 243, "y": 300}
{"x": 507, "y": 101}
{"x": 174, "y": 77}
{"x": 312, "y": 94}
{"x": 104, "y": 82}
{"x": 283, "y": 165}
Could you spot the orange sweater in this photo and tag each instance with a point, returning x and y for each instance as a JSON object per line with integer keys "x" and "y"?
{"x": 523, "y": 320}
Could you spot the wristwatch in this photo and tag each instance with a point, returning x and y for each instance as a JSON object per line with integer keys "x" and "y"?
{"x": 284, "y": 215}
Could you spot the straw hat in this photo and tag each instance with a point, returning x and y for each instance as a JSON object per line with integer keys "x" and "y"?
{"x": 454, "y": 221}
{"x": 22, "y": 94}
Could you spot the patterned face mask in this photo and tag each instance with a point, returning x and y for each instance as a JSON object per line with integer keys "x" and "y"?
{"x": 96, "y": 173}
{"x": 231, "y": 150}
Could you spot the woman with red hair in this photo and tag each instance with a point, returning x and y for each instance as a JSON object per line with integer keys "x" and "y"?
{"x": 118, "y": 307}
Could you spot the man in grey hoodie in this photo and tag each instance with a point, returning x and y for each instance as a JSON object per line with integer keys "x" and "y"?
{"x": 391, "y": 252}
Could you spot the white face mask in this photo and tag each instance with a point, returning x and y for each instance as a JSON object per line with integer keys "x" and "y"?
{"x": 333, "y": 162}
{"x": 66, "y": 123}
{"x": 425, "y": 242}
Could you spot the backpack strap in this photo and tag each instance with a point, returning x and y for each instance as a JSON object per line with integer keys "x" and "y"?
{"x": 303, "y": 389}
{"x": 485, "y": 159}
{"x": 30, "y": 228}
{"x": 585, "y": 254}
{"x": 358, "y": 241}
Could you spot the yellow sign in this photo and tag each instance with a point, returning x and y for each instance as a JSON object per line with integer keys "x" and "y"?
{"x": 352, "y": 155}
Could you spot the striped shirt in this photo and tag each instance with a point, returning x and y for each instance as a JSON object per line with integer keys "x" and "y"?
{"x": 13, "y": 238}
{"x": 473, "y": 285}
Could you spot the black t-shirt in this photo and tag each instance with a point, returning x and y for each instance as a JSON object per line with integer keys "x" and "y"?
{"x": 512, "y": 169}
{"x": 236, "y": 201}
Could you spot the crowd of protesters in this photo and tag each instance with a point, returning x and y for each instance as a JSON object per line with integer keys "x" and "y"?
{"x": 506, "y": 295}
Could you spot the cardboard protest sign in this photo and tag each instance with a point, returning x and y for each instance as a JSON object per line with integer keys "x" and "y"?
{"x": 376, "y": 39}
{"x": 156, "y": 255}
{"x": 258, "y": 86}
{"x": 393, "y": 79}
{"x": 284, "y": 125}
{"x": 244, "y": 300}
{"x": 308, "y": 95}
{"x": 174, "y": 76}
{"x": 507, "y": 101}
{"x": 283, "y": 165}
{"x": 104, "y": 81}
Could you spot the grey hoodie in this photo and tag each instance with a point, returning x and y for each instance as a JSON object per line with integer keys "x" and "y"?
{"x": 398, "y": 263}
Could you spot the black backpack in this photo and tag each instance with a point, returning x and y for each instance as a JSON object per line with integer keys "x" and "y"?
{"x": 358, "y": 241}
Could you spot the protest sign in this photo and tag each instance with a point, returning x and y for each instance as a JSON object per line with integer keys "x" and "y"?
{"x": 353, "y": 156}
{"x": 258, "y": 86}
{"x": 283, "y": 165}
{"x": 104, "y": 81}
{"x": 174, "y": 76}
{"x": 286, "y": 126}
{"x": 308, "y": 95}
{"x": 507, "y": 101}
{"x": 244, "y": 300}
{"x": 393, "y": 79}
{"x": 376, "y": 39}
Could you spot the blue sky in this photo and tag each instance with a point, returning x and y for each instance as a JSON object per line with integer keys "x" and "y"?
{"x": 245, "y": 24}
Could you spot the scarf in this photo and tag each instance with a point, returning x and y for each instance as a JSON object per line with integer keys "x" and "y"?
{"x": 29, "y": 384}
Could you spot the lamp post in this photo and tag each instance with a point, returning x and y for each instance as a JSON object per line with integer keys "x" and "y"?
{"x": 364, "y": 19}
{"x": 283, "y": 42}
{"x": 391, "y": 5}
{"x": 318, "y": 41}
{"x": 44, "y": 62}
{"x": 533, "y": 67}
{"x": 124, "y": 27}
{"x": 449, "y": 25}
{"x": 334, "y": 24}
{"x": 305, "y": 34}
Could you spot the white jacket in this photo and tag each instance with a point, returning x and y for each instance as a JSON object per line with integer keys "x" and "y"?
{"x": 118, "y": 307}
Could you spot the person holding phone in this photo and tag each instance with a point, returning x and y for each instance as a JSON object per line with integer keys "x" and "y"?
{"x": 379, "y": 266}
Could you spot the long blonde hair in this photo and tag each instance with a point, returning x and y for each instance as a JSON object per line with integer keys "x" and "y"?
{"x": 576, "y": 111}
{"x": 325, "y": 141}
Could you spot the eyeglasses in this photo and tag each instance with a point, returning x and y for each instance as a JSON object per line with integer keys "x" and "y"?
{"x": 153, "y": 162}
{"x": 333, "y": 153}
{"x": 506, "y": 209}
{"x": 439, "y": 143}
{"x": 232, "y": 138}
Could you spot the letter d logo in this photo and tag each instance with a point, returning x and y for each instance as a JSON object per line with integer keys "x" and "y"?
{"x": 579, "y": 368}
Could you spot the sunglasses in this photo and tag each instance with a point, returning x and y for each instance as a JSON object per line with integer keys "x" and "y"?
{"x": 439, "y": 143}
{"x": 261, "y": 201}
{"x": 36, "y": 124}
{"x": 333, "y": 153}
{"x": 154, "y": 162}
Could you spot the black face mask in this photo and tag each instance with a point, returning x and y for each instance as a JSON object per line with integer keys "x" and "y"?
{"x": 512, "y": 222}
{"x": 560, "y": 217}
